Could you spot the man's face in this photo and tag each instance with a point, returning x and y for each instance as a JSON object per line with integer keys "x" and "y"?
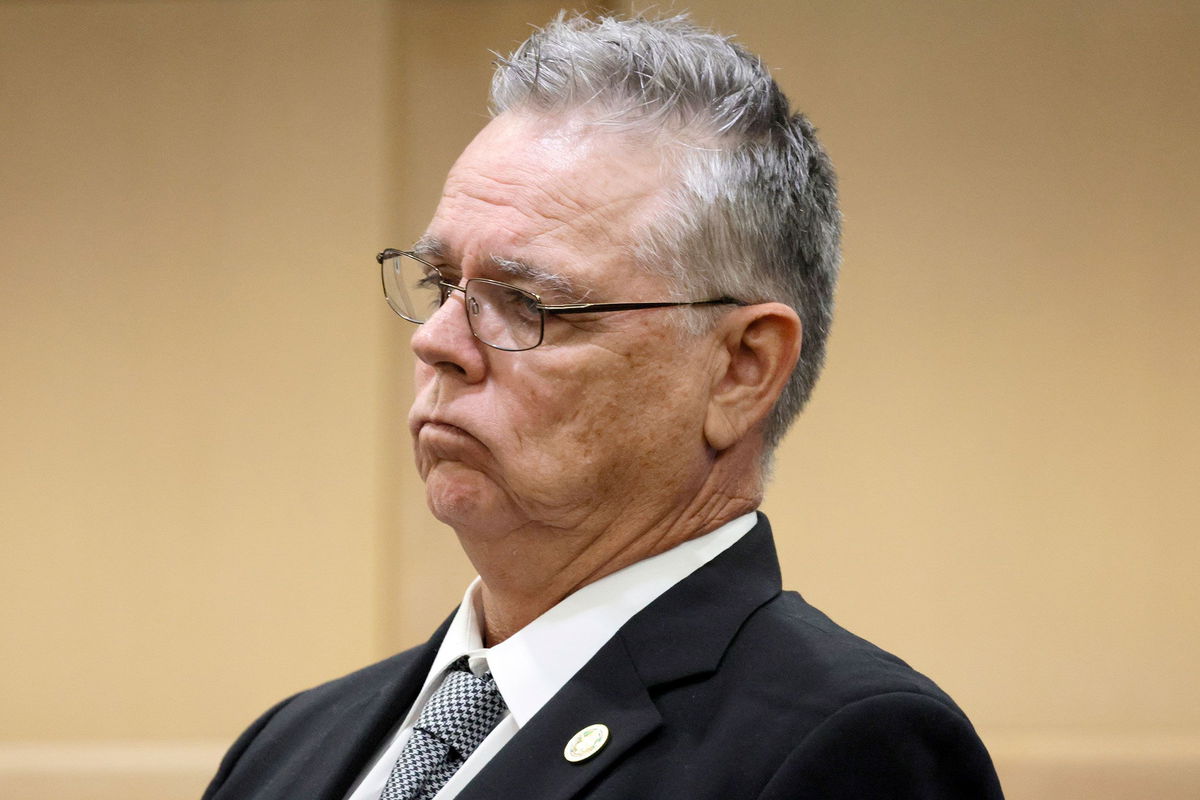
{"x": 605, "y": 417}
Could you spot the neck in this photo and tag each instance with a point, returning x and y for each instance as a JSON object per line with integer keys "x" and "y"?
{"x": 529, "y": 570}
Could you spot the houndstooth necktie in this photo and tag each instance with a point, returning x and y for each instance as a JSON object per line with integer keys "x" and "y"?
{"x": 456, "y": 719}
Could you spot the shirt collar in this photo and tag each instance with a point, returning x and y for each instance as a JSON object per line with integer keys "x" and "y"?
{"x": 534, "y": 663}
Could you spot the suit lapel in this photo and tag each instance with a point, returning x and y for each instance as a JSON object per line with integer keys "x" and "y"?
{"x": 687, "y": 631}
{"x": 360, "y": 728}
{"x": 684, "y": 632}
{"x": 609, "y": 691}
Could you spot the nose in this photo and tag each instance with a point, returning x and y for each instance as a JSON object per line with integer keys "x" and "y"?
{"x": 444, "y": 342}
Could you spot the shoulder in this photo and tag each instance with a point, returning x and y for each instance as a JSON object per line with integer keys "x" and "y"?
{"x": 900, "y": 744}
{"x": 789, "y": 639}
{"x": 322, "y": 734}
{"x": 861, "y": 721}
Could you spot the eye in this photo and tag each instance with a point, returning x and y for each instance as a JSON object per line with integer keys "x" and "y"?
{"x": 430, "y": 287}
{"x": 520, "y": 304}
{"x": 435, "y": 282}
{"x": 430, "y": 281}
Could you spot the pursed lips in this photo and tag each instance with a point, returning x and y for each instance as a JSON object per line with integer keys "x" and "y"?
{"x": 438, "y": 425}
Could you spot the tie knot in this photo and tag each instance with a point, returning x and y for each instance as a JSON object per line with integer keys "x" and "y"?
{"x": 464, "y": 709}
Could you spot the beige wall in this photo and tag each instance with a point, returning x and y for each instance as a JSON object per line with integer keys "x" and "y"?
{"x": 205, "y": 496}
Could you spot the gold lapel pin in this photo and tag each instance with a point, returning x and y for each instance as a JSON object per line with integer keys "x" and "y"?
{"x": 586, "y": 743}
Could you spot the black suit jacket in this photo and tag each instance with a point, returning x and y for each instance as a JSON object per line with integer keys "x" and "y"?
{"x": 723, "y": 688}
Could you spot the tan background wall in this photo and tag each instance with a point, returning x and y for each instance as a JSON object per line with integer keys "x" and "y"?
{"x": 205, "y": 496}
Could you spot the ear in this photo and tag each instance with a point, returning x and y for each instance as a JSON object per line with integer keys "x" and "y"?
{"x": 760, "y": 345}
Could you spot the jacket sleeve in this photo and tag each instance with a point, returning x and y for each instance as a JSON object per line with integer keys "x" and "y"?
{"x": 895, "y": 746}
{"x": 238, "y": 748}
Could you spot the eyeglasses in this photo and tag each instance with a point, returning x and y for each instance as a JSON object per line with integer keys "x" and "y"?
{"x": 500, "y": 315}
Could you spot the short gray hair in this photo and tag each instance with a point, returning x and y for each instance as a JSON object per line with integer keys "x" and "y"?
{"x": 753, "y": 214}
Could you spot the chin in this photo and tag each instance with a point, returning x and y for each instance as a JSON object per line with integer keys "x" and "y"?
{"x": 463, "y": 498}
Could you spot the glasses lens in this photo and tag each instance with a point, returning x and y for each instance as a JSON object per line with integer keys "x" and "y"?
{"x": 412, "y": 288}
{"x": 503, "y": 316}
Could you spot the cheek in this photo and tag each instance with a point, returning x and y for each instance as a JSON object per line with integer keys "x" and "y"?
{"x": 602, "y": 418}
{"x": 588, "y": 409}
{"x": 422, "y": 372}
{"x": 559, "y": 417}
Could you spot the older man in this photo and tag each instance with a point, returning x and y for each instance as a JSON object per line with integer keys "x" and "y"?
{"x": 623, "y": 299}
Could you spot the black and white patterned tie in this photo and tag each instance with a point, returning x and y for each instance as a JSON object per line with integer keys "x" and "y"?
{"x": 456, "y": 719}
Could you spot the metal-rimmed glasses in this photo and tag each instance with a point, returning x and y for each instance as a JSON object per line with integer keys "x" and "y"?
{"x": 500, "y": 315}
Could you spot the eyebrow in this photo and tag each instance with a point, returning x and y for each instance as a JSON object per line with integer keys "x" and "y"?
{"x": 433, "y": 248}
{"x": 430, "y": 247}
{"x": 544, "y": 278}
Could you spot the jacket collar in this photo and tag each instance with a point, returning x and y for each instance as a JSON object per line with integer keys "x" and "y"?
{"x": 684, "y": 632}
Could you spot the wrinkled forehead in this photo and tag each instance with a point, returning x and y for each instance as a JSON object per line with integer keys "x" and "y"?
{"x": 597, "y": 159}
{"x": 549, "y": 192}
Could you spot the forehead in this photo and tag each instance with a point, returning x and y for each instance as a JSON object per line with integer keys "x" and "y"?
{"x": 551, "y": 193}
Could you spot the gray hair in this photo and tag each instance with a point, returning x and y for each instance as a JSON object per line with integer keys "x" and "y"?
{"x": 753, "y": 213}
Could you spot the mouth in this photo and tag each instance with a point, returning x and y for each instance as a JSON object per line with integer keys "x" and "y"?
{"x": 432, "y": 429}
{"x": 438, "y": 443}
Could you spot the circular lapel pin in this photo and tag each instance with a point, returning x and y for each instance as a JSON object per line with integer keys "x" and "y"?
{"x": 586, "y": 743}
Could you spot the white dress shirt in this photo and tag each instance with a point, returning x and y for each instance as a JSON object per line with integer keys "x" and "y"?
{"x": 535, "y": 662}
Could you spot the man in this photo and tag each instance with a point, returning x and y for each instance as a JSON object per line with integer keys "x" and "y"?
{"x": 623, "y": 300}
